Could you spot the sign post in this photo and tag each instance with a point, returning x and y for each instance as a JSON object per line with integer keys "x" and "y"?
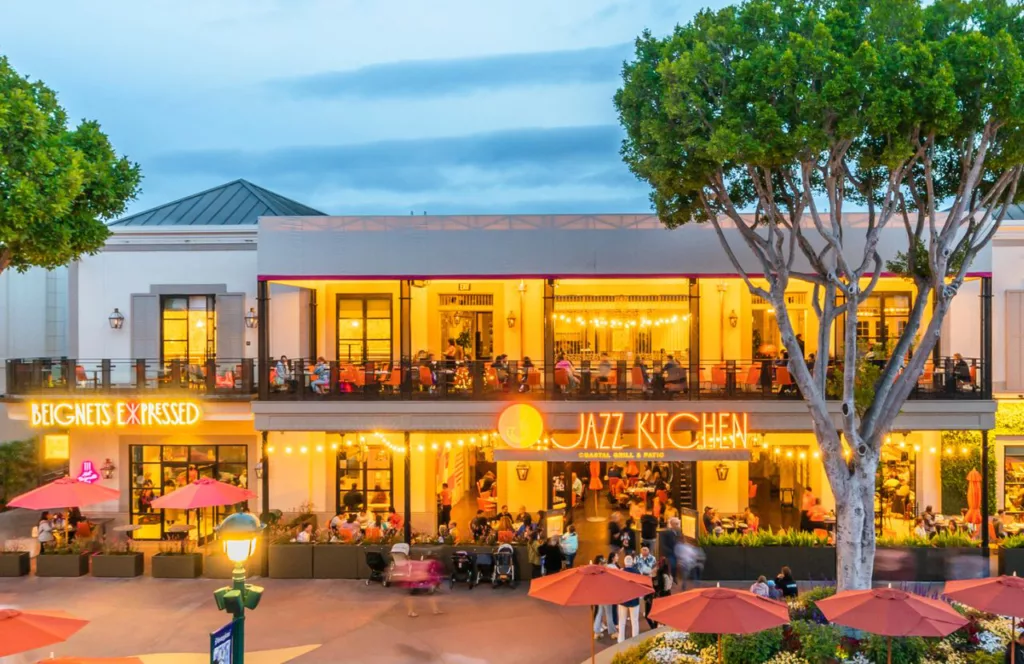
{"x": 222, "y": 646}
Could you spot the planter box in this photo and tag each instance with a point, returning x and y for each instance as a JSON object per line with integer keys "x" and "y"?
{"x": 177, "y": 566}
{"x": 291, "y": 561}
{"x": 15, "y": 563}
{"x": 217, "y": 566}
{"x": 725, "y": 563}
{"x": 1011, "y": 561}
{"x": 124, "y": 565}
{"x": 337, "y": 561}
{"x": 55, "y": 564}
{"x": 808, "y": 563}
{"x": 921, "y": 563}
{"x": 439, "y": 552}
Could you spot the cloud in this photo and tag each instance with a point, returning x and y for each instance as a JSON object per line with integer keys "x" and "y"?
{"x": 421, "y": 78}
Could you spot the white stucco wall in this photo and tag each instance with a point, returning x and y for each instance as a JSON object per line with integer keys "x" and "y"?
{"x": 1007, "y": 259}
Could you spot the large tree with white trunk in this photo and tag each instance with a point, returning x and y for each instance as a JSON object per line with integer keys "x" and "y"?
{"x": 774, "y": 120}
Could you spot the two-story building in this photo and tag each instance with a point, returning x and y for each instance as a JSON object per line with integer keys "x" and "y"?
{"x": 346, "y": 360}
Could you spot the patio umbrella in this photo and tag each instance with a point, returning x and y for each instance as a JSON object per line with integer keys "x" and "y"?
{"x": 1002, "y": 595}
{"x": 62, "y": 493}
{"x": 91, "y": 660}
{"x": 595, "y": 486}
{"x": 974, "y": 498}
{"x": 203, "y": 492}
{"x": 889, "y": 612}
{"x": 588, "y": 586}
{"x": 21, "y": 631}
{"x": 719, "y": 611}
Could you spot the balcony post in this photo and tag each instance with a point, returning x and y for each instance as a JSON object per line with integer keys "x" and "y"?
{"x": 476, "y": 368}
{"x": 407, "y": 486}
{"x": 68, "y": 368}
{"x": 693, "y": 302}
{"x": 265, "y": 498}
{"x": 263, "y": 339}
{"x": 140, "y": 375}
{"x": 986, "y": 342}
{"x": 246, "y": 377}
{"x": 12, "y": 377}
{"x": 211, "y": 376}
{"x": 37, "y": 374}
{"x": 549, "y": 337}
{"x": 105, "y": 375}
{"x": 312, "y": 340}
{"x": 984, "y": 483}
{"x": 405, "y": 336}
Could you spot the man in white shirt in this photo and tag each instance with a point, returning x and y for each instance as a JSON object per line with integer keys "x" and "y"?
{"x": 645, "y": 562}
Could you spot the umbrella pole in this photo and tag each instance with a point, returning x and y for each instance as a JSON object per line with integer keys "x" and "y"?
{"x": 888, "y": 657}
{"x": 590, "y": 627}
{"x": 1013, "y": 639}
{"x": 719, "y": 647}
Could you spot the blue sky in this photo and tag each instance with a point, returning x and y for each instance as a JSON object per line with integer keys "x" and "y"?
{"x": 354, "y": 107}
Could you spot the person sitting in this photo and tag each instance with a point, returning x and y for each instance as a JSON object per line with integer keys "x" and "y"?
{"x": 525, "y": 526}
{"x": 363, "y": 519}
{"x": 305, "y": 534}
{"x": 480, "y": 527}
{"x": 919, "y": 528}
{"x": 351, "y": 526}
{"x": 44, "y": 531}
{"x": 522, "y": 515}
{"x": 675, "y": 376}
{"x": 503, "y": 512}
{"x": 572, "y": 377}
{"x": 928, "y": 516}
{"x": 321, "y": 376}
{"x": 604, "y": 371}
{"x": 352, "y": 500}
{"x": 453, "y": 531}
{"x": 760, "y": 587}
{"x": 786, "y": 583}
{"x": 816, "y": 515}
{"x": 394, "y": 519}
{"x": 961, "y": 372}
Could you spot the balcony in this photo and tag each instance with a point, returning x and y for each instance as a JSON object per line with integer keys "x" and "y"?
{"x": 225, "y": 379}
{"x": 481, "y": 381}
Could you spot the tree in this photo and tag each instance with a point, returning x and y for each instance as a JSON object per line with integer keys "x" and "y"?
{"x": 770, "y": 119}
{"x": 17, "y": 468}
{"x": 57, "y": 184}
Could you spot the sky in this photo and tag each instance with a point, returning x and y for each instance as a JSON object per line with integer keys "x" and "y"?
{"x": 354, "y": 107}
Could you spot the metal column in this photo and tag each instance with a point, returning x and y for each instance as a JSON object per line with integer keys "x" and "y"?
{"x": 265, "y": 502}
{"x": 693, "y": 305}
{"x": 549, "y": 336}
{"x": 408, "y": 489}
{"x": 263, "y": 339}
{"x": 312, "y": 340}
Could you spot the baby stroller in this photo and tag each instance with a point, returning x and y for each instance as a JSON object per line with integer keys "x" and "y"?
{"x": 463, "y": 569}
{"x": 378, "y": 568}
{"x": 504, "y": 566}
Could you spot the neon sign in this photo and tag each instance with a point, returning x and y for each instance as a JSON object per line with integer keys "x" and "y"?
{"x": 88, "y": 474}
{"x": 661, "y": 431}
{"x": 110, "y": 414}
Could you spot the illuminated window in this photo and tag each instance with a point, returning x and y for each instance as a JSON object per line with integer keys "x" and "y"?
{"x": 364, "y": 328}
{"x": 188, "y": 328}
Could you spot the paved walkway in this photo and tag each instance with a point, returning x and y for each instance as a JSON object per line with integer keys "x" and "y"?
{"x": 349, "y": 621}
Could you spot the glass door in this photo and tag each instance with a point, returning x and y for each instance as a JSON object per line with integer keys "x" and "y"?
{"x": 364, "y": 329}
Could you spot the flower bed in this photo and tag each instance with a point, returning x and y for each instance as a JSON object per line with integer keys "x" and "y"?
{"x": 809, "y": 640}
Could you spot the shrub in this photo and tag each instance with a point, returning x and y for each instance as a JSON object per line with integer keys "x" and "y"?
{"x": 754, "y": 648}
{"x": 817, "y": 643}
{"x": 1013, "y": 542}
{"x": 947, "y": 540}
{"x": 905, "y": 650}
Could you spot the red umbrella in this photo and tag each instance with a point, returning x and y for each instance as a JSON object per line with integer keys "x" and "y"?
{"x": 65, "y": 492}
{"x": 1002, "y": 595}
{"x": 719, "y": 611}
{"x": 890, "y": 613}
{"x": 595, "y": 486}
{"x": 21, "y": 631}
{"x": 204, "y": 492}
{"x": 91, "y": 660}
{"x": 974, "y": 498}
{"x": 590, "y": 585}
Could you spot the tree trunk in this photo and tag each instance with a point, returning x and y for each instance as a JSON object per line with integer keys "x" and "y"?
{"x": 855, "y": 530}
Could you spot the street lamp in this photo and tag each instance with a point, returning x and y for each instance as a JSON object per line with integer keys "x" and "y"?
{"x": 239, "y": 533}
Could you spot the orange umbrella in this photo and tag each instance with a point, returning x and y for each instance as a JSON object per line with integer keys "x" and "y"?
{"x": 590, "y": 585}
{"x": 64, "y": 492}
{"x": 974, "y": 498}
{"x": 21, "y": 631}
{"x": 595, "y": 486}
{"x": 890, "y": 613}
{"x": 1002, "y": 595}
{"x": 91, "y": 660}
{"x": 719, "y": 611}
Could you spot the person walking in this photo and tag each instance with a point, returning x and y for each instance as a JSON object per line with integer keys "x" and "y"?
{"x": 570, "y": 545}
{"x": 662, "y": 581}
{"x": 44, "y": 532}
{"x": 631, "y": 608}
{"x": 603, "y": 621}
{"x": 667, "y": 541}
{"x": 446, "y": 504}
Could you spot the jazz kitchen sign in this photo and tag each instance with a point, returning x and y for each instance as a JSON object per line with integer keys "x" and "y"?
{"x": 659, "y": 436}
{"x": 112, "y": 414}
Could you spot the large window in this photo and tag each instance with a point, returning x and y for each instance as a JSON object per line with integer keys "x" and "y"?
{"x": 157, "y": 470}
{"x": 188, "y": 328}
{"x": 881, "y": 321}
{"x": 364, "y": 328}
{"x": 368, "y": 472}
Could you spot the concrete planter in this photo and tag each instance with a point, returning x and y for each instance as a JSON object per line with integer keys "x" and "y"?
{"x": 15, "y": 563}
{"x": 739, "y": 563}
{"x": 1011, "y": 561}
{"x": 291, "y": 561}
{"x": 725, "y": 563}
{"x": 177, "y": 566}
{"x": 920, "y": 563}
{"x": 217, "y": 566}
{"x": 439, "y": 552}
{"x": 337, "y": 561}
{"x": 57, "y": 564}
{"x": 124, "y": 565}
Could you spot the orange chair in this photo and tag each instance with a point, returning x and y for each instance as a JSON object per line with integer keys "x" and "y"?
{"x": 374, "y": 533}
{"x": 394, "y": 380}
{"x": 227, "y": 380}
{"x": 562, "y": 379}
{"x": 615, "y": 486}
{"x": 488, "y": 506}
{"x": 974, "y": 375}
{"x": 491, "y": 378}
{"x": 344, "y": 535}
{"x": 636, "y": 377}
{"x": 533, "y": 379}
{"x": 718, "y": 377}
{"x": 426, "y": 378}
{"x": 782, "y": 378}
{"x": 753, "y": 377}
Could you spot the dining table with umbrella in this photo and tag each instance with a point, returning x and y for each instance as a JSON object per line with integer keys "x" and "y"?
{"x": 1001, "y": 595}
{"x": 22, "y": 631}
{"x": 974, "y": 499}
{"x": 64, "y": 493}
{"x": 90, "y": 660}
{"x": 890, "y": 612}
{"x": 201, "y": 494}
{"x": 719, "y": 611}
{"x": 595, "y": 487}
{"x": 590, "y": 585}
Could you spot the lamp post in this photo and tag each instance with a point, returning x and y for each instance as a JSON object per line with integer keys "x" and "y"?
{"x": 239, "y": 532}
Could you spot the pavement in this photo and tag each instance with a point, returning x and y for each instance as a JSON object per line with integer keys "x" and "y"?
{"x": 336, "y": 621}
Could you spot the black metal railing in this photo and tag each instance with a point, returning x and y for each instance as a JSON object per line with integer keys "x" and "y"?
{"x": 213, "y": 377}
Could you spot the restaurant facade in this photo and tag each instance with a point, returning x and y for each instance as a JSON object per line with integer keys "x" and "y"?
{"x": 311, "y": 357}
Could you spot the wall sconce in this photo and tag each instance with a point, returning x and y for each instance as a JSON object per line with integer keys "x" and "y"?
{"x": 511, "y": 319}
{"x": 522, "y": 471}
{"x": 116, "y": 320}
{"x": 108, "y": 469}
{"x": 733, "y": 318}
{"x": 251, "y": 319}
{"x": 722, "y": 471}
{"x": 259, "y": 470}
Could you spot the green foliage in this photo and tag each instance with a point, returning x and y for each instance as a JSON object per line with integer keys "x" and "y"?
{"x": 953, "y": 540}
{"x": 961, "y": 453}
{"x": 818, "y": 643}
{"x": 922, "y": 271}
{"x": 1013, "y": 542}
{"x": 756, "y": 647}
{"x": 18, "y": 461}
{"x": 763, "y": 538}
{"x": 905, "y": 650}
{"x": 59, "y": 183}
{"x": 72, "y": 548}
{"x": 864, "y": 382}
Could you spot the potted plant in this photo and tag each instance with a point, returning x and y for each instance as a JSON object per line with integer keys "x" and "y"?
{"x": 289, "y": 559}
{"x": 176, "y": 561}
{"x": 69, "y": 559}
{"x": 121, "y": 561}
{"x": 1011, "y": 555}
{"x": 14, "y": 562}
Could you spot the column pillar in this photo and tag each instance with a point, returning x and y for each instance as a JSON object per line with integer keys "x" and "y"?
{"x": 263, "y": 339}
{"x": 985, "y": 373}
{"x": 265, "y": 501}
{"x": 694, "y": 354}
{"x": 407, "y": 480}
{"x": 312, "y": 340}
{"x": 549, "y": 336}
{"x": 984, "y": 494}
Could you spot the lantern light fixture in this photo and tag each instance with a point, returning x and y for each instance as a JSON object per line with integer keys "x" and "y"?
{"x": 251, "y": 319}
{"x": 511, "y": 320}
{"x": 116, "y": 319}
{"x": 107, "y": 469}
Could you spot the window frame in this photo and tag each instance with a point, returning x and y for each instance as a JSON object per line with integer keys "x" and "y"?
{"x": 364, "y": 299}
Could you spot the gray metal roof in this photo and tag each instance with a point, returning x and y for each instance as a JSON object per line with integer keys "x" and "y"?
{"x": 238, "y": 203}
